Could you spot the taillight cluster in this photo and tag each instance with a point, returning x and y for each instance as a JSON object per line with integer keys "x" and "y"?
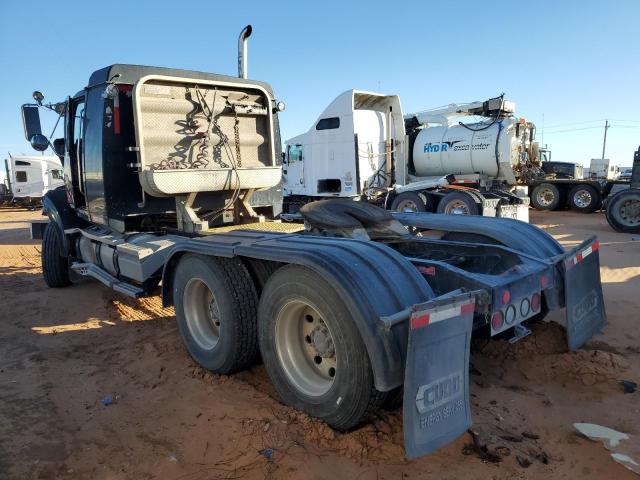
{"x": 519, "y": 309}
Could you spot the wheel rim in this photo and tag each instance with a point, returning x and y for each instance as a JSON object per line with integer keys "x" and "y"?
{"x": 630, "y": 211}
{"x": 545, "y": 197}
{"x": 582, "y": 198}
{"x": 457, "y": 207}
{"x": 407, "y": 206}
{"x": 305, "y": 348}
{"x": 202, "y": 313}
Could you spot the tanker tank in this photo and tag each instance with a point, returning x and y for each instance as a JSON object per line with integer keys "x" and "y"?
{"x": 471, "y": 149}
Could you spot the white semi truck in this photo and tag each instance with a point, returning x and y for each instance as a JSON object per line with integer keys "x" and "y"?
{"x": 363, "y": 147}
{"x": 29, "y": 177}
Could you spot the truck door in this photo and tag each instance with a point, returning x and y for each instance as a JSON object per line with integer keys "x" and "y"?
{"x": 294, "y": 169}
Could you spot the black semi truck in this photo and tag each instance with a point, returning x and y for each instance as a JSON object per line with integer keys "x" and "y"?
{"x": 348, "y": 312}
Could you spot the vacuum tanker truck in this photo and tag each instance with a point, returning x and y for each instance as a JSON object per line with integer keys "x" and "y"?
{"x": 363, "y": 147}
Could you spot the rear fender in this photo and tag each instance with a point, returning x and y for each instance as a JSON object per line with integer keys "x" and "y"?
{"x": 514, "y": 234}
{"x": 373, "y": 280}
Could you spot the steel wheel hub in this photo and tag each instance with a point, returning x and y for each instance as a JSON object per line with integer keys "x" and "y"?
{"x": 582, "y": 198}
{"x": 630, "y": 211}
{"x": 407, "y": 206}
{"x": 305, "y": 348}
{"x": 457, "y": 207}
{"x": 545, "y": 197}
{"x": 202, "y": 313}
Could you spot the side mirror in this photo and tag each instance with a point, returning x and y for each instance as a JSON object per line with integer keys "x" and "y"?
{"x": 284, "y": 158}
{"x": 39, "y": 142}
{"x": 32, "y": 128}
{"x": 31, "y": 121}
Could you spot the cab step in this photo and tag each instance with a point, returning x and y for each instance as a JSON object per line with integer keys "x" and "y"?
{"x": 91, "y": 270}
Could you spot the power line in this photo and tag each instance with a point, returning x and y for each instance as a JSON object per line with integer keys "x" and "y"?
{"x": 572, "y": 130}
{"x": 627, "y": 121}
{"x": 574, "y": 123}
{"x": 588, "y": 128}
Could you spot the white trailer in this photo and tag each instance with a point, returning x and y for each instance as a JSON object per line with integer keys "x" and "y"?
{"x": 362, "y": 147}
{"x": 29, "y": 178}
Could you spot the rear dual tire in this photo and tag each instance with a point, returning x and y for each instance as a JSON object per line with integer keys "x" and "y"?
{"x": 216, "y": 303}
{"x": 458, "y": 203}
{"x": 584, "y": 199}
{"x": 411, "y": 202}
{"x": 546, "y": 196}
{"x": 310, "y": 346}
{"x": 313, "y": 351}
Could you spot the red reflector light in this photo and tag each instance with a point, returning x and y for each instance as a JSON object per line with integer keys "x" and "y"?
{"x": 544, "y": 281}
{"x": 497, "y": 320}
{"x": 535, "y": 302}
{"x": 506, "y": 296}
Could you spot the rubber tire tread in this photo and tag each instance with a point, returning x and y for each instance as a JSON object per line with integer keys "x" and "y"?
{"x": 244, "y": 305}
{"x": 260, "y": 271}
{"x": 55, "y": 267}
{"x": 363, "y": 399}
{"x": 554, "y": 204}
{"x": 610, "y": 214}
{"x": 414, "y": 197}
{"x": 474, "y": 208}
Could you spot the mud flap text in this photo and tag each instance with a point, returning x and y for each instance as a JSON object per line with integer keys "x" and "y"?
{"x": 436, "y": 389}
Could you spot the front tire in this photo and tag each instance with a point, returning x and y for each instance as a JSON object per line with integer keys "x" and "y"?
{"x": 55, "y": 265}
{"x": 216, "y": 303}
{"x": 312, "y": 349}
{"x": 584, "y": 199}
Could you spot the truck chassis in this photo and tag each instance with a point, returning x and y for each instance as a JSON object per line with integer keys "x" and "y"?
{"x": 396, "y": 297}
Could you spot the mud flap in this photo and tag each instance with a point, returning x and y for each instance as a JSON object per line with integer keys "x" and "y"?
{"x": 436, "y": 384}
{"x": 583, "y": 294}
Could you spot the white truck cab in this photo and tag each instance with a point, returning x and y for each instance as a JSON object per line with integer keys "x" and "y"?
{"x": 31, "y": 177}
{"x": 348, "y": 148}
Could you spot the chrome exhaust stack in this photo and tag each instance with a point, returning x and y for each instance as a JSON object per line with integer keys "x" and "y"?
{"x": 242, "y": 51}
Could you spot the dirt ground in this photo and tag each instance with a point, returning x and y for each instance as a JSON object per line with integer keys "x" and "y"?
{"x": 63, "y": 352}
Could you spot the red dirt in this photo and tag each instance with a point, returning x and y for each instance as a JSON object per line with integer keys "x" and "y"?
{"x": 63, "y": 351}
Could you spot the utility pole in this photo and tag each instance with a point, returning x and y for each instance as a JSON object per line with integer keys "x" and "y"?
{"x": 604, "y": 142}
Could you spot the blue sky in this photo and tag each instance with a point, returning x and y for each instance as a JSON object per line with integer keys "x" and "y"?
{"x": 574, "y": 62}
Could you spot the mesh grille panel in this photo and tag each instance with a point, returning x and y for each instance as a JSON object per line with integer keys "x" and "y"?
{"x": 189, "y": 127}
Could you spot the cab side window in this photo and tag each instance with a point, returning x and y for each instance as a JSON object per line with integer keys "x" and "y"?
{"x": 295, "y": 153}
{"x": 78, "y": 117}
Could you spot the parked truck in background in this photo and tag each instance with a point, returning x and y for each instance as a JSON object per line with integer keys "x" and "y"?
{"x": 363, "y": 147}
{"x": 566, "y": 184}
{"x": 347, "y": 312}
{"x": 27, "y": 178}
